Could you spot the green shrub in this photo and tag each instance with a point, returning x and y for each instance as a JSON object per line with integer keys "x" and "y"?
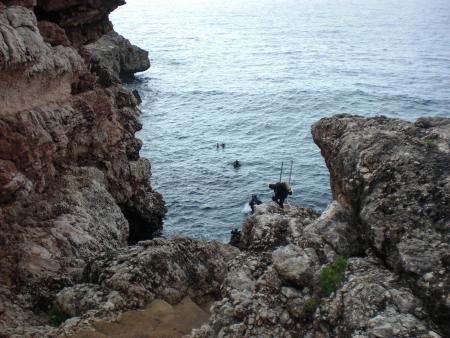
{"x": 332, "y": 275}
{"x": 430, "y": 143}
{"x": 340, "y": 264}
{"x": 311, "y": 305}
{"x": 57, "y": 317}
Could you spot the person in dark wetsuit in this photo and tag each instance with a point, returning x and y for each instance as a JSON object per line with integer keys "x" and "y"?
{"x": 236, "y": 164}
{"x": 235, "y": 239}
{"x": 281, "y": 191}
{"x": 254, "y": 201}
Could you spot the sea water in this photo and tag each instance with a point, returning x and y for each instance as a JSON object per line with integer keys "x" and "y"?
{"x": 255, "y": 75}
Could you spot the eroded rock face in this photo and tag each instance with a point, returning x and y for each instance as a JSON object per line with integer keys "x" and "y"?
{"x": 33, "y": 73}
{"x": 84, "y": 21}
{"x": 276, "y": 292}
{"x": 390, "y": 218}
{"x": 394, "y": 176}
{"x": 112, "y": 56}
{"x": 132, "y": 277}
{"x": 72, "y": 184}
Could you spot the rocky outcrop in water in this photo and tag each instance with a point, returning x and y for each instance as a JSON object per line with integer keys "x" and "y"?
{"x": 72, "y": 184}
{"x": 113, "y": 56}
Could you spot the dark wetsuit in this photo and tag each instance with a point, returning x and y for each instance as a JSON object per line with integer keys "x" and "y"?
{"x": 281, "y": 190}
{"x": 235, "y": 239}
{"x": 254, "y": 201}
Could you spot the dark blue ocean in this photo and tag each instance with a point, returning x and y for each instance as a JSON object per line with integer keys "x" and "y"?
{"x": 255, "y": 75}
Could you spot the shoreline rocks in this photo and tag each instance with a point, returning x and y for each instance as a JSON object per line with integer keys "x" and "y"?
{"x": 374, "y": 264}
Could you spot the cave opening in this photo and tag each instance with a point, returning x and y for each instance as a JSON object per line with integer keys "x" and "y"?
{"x": 140, "y": 229}
{"x": 43, "y": 15}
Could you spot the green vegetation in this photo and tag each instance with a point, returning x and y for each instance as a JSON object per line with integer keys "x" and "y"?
{"x": 430, "y": 143}
{"x": 332, "y": 275}
{"x": 311, "y": 305}
{"x": 57, "y": 317}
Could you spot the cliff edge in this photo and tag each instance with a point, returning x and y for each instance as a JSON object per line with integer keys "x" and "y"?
{"x": 72, "y": 183}
{"x": 375, "y": 263}
{"x": 74, "y": 193}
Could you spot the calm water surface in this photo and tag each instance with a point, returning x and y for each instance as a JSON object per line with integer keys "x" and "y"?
{"x": 256, "y": 74}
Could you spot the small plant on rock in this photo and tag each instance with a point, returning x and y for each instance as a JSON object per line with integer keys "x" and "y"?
{"x": 311, "y": 305}
{"x": 332, "y": 275}
{"x": 430, "y": 143}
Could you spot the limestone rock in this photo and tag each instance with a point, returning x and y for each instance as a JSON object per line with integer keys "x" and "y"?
{"x": 72, "y": 184}
{"x": 270, "y": 226}
{"x": 112, "y": 56}
{"x": 157, "y": 269}
{"x": 84, "y": 21}
{"x": 26, "y": 62}
{"x": 394, "y": 176}
{"x": 295, "y": 265}
{"x": 396, "y": 281}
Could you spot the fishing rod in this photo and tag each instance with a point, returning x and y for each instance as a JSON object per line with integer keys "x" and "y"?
{"x": 281, "y": 171}
{"x": 290, "y": 172}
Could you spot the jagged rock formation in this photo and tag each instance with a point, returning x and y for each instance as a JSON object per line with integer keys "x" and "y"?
{"x": 390, "y": 219}
{"x": 74, "y": 192}
{"x": 83, "y": 21}
{"x": 300, "y": 274}
{"x": 112, "y": 56}
{"x": 168, "y": 270}
{"x": 394, "y": 176}
{"x": 72, "y": 184}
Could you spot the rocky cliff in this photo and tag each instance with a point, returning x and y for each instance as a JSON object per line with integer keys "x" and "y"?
{"x": 74, "y": 192}
{"x": 375, "y": 263}
{"x": 72, "y": 184}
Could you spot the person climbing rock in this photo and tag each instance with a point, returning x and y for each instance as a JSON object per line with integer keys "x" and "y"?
{"x": 281, "y": 191}
{"x": 254, "y": 201}
{"x": 236, "y": 164}
{"x": 235, "y": 238}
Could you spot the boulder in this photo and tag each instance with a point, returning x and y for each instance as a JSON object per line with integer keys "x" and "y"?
{"x": 295, "y": 265}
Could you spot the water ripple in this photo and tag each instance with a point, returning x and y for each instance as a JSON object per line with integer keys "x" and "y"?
{"x": 255, "y": 75}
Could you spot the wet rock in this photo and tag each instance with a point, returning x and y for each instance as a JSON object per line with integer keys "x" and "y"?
{"x": 137, "y": 96}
